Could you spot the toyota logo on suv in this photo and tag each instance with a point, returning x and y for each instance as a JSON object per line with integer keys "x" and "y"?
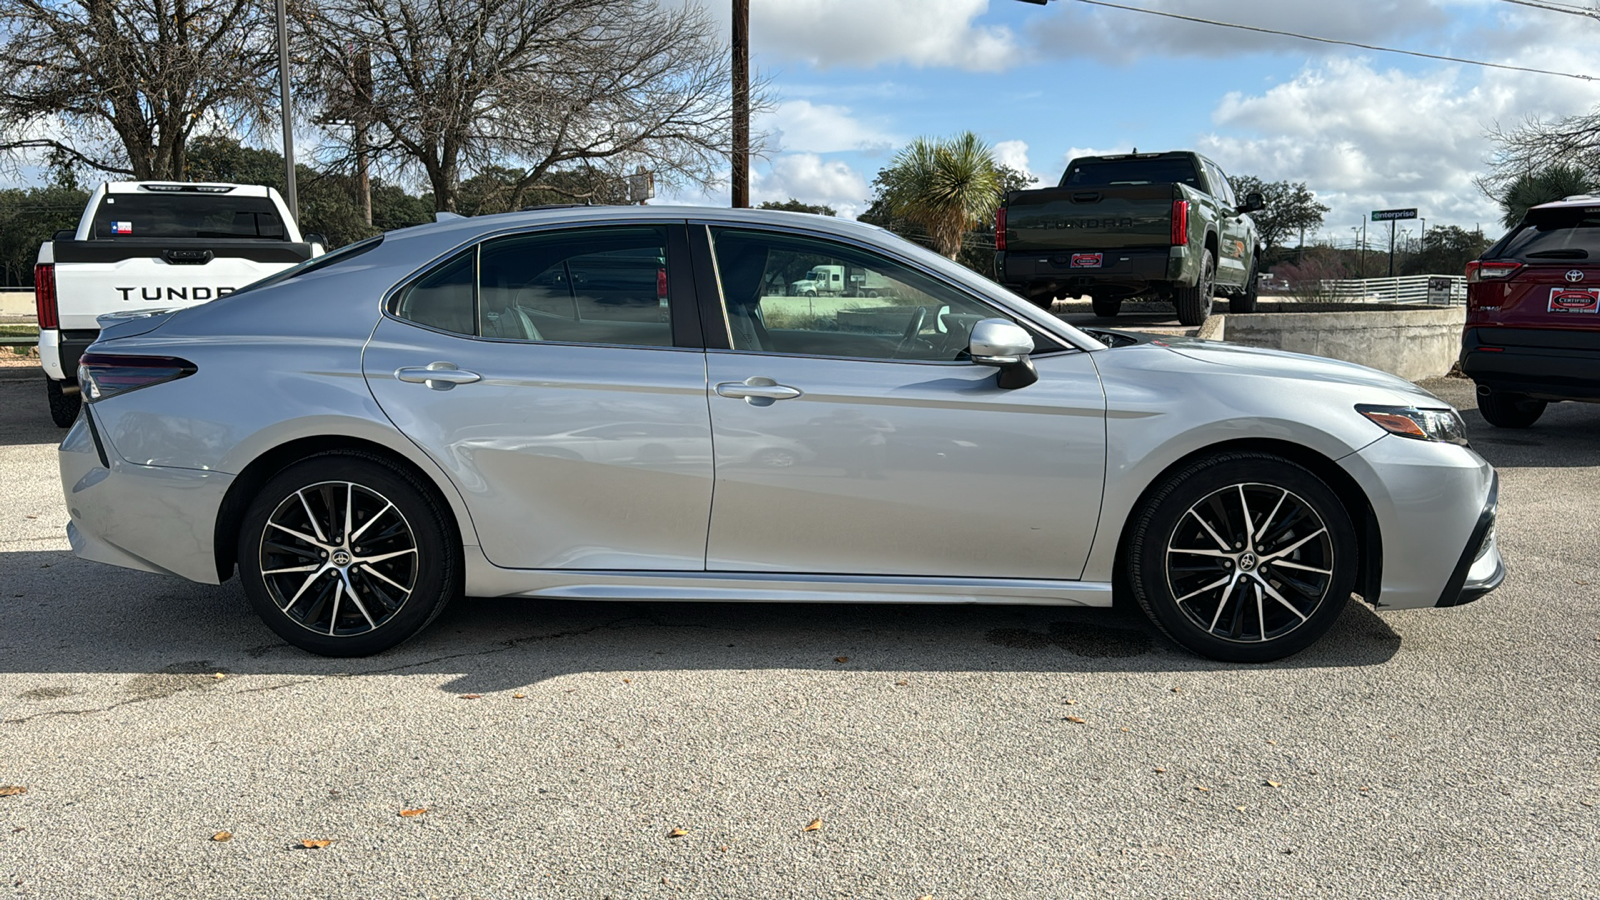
{"x": 1575, "y": 276}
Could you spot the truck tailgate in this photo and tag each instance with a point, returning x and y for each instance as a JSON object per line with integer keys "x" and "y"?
{"x": 1120, "y": 217}
{"x": 98, "y": 277}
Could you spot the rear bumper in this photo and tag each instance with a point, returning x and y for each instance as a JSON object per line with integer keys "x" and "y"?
{"x": 150, "y": 518}
{"x": 1546, "y": 364}
{"x": 1121, "y": 273}
{"x": 59, "y": 351}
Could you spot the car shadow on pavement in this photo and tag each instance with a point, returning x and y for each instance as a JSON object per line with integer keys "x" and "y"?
{"x": 24, "y": 412}
{"x": 64, "y": 615}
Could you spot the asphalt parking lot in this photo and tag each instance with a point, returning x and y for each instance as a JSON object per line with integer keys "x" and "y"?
{"x": 554, "y": 748}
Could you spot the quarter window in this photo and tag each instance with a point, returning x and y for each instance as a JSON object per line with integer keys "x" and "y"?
{"x": 789, "y": 294}
{"x": 443, "y": 298}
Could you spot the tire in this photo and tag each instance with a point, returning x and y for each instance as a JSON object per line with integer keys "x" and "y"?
{"x": 1219, "y": 601}
{"x": 63, "y": 406}
{"x": 296, "y": 583}
{"x": 1194, "y": 303}
{"x": 1106, "y": 307}
{"x": 1246, "y": 301}
{"x": 1507, "y": 410}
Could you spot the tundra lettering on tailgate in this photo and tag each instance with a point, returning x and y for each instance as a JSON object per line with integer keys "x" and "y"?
{"x": 157, "y": 294}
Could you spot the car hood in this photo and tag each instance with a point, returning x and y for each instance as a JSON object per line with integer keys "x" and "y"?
{"x": 1283, "y": 364}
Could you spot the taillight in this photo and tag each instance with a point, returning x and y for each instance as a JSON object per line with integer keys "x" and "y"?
{"x": 1180, "y": 223}
{"x": 1000, "y": 228}
{"x": 661, "y": 284}
{"x": 102, "y": 375}
{"x": 44, "y": 295}
{"x": 1489, "y": 270}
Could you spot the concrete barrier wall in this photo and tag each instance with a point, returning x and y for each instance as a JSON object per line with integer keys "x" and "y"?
{"x": 17, "y": 303}
{"x": 1412, "y": 343}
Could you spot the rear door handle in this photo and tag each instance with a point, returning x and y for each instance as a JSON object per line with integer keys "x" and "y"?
{"x": 757, "y": 391}
{"x": 440, "y": 376}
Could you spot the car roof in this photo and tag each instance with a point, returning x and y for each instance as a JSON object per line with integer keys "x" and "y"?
{"x": 455, "y": 229}
{"x": 1576, "y": 200}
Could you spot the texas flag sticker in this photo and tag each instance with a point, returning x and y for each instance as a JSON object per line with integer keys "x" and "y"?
{"x": 122, "y": 228}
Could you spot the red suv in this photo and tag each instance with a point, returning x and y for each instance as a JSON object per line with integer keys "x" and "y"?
{"x": 1533, "y": 314}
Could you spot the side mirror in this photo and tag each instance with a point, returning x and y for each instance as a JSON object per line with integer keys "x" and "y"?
{"x": 1005, "y": 344}
{"x": 1253, "y": 202}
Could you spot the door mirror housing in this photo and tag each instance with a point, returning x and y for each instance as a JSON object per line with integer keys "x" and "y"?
{"x": 1006, "y": 345}
{"x": 1253, "y": 202}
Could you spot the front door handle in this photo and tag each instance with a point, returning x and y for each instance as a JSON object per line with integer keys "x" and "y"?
{"x": 757, "y": 391}
{"x": 440, "y": 376}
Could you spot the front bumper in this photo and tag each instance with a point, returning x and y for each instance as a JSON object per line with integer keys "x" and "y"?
{"x": 1547, "y": 364}
{"x": 151, "y": 518}
{"x": 1434, "y": 506}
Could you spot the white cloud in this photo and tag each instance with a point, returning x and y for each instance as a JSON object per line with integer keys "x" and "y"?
{"x": 828, "y": 33}
{"x": 1366, "y": 139}
{"x": 809, "y": 178}
{"x": 1015, "y": 155}
{"x": 800, "y": 125}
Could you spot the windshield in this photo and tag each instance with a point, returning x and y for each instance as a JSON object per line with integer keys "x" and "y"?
{"x": 1571, "y": 232}
{"x": 1104, "y": 173}
{"x": 347, "y": 252}
{"x": 187, "y": 215}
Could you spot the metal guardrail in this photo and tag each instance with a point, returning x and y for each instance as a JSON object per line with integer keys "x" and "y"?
{"x": 19, "y": 340}
{"x": 1402, "y": 289}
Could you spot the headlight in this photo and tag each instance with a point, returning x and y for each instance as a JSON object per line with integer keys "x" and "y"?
{"x": 1418, "y": 424}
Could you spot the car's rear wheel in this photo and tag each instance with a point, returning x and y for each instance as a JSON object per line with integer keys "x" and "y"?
{"x": 1194, "y": 303}
{"x": 1243, "y": 557}
{"x": 1507, "y": 410}
{"x": 63, "y": 406}
{"x": 346, "y": 555}
{"x": 1106, "y": 307}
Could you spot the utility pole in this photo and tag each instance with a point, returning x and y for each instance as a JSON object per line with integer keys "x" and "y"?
{"x": 363, "y": 87}
{"x": 741, "y": 103}
{"x": 1391, "y": 248}
{"x": 288, "y": 119}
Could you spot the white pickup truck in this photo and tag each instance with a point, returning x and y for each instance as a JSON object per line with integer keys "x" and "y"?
{"x": 153, "y": 245}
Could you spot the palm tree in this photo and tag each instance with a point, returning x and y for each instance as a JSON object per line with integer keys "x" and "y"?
{"x": 948, "y": 187}
{"x": 1533, "y": 188}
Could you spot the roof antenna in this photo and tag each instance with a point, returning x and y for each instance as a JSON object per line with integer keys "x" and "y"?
{"x": 1136, "y": 151}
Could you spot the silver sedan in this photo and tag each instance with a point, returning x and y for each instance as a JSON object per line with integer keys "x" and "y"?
{"x": 625, "y": 403}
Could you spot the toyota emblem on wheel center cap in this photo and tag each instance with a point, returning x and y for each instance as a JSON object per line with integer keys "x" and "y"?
{"x": 341, "y": 558}
{"x": 1247, "y": 561}
{"x": 1575, "y": 275}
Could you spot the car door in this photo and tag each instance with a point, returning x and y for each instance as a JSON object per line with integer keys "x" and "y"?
{"x": 878, "y": 448}
{"x": 555, "y": 378}
{"x": 1235, "y": 239}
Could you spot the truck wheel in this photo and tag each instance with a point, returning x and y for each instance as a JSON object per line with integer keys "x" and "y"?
{"x": 1194, "y": 303}
{"x": 1507, "y": 410}
{"x": 1245, "y": 302}
{"x": 1106, "y": 307}
{"x": 63, "y": 406}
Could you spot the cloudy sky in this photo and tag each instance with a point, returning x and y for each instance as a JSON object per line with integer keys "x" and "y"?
{"x": 856, "y": 79}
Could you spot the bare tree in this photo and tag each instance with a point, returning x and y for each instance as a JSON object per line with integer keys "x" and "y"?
{"x": 119, "y": 85}
{"x": 600, "y": 86}
{"x": 1537, "y": 145}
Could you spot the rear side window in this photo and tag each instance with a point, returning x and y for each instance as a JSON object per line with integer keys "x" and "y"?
{"x": 1104, "y": 173}
{"x": 186, "y": 215}
{"x": 1569, "y": 233}
{"x": 444, "y": 298}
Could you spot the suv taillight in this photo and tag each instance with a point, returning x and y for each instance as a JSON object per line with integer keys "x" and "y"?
{"x": 1482, "y": 270}
{"x": 1000, "y": 228}
{"x": 1180, "y": 223}
{"x": 103, "y": 374}
{"x": 44, "y": 295}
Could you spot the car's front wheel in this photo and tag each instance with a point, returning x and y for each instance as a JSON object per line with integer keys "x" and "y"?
{"x": 347, "y": 555}
{"x": 1243, "y": 557}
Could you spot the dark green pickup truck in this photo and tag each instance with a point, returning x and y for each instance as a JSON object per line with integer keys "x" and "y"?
{"x": 1158, "y": 226}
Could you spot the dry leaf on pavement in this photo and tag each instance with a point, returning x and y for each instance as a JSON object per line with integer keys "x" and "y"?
{"x": 519, "y": 696}
{"x": 410, "y": 813}
{"x": 813, "y": 825}
{"x": 1160, "y": 770}
{"x": 841, "y": 659}
{"x": 222, "y": 836}
{"x": 1075, "y": 720}
{"x": 472, "y": 696}
{"x": 677, "y": 832}
{"x": 11, "y": 790}
{"x": 314, "y": 843}
{"x": 1271, "y": 783}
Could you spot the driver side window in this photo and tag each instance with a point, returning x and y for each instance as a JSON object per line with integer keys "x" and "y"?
{"x": 801, "y": 295}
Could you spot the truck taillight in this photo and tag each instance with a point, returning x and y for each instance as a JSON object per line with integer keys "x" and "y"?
{"x": 103, "y": 374}
{"x": 1000, "y": 228}
{"x": 1180, "y": 223}
{"x": 44, "y": 295}
{"x": 1482, "y": 270}
{"x": 661, "y": 284}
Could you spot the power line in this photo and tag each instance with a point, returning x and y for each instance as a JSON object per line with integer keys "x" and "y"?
{"x": 1323, "y": 40}
{"x": 1552, "y": 6}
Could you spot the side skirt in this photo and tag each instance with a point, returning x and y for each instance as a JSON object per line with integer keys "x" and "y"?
{"x": 487, "y": 580}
